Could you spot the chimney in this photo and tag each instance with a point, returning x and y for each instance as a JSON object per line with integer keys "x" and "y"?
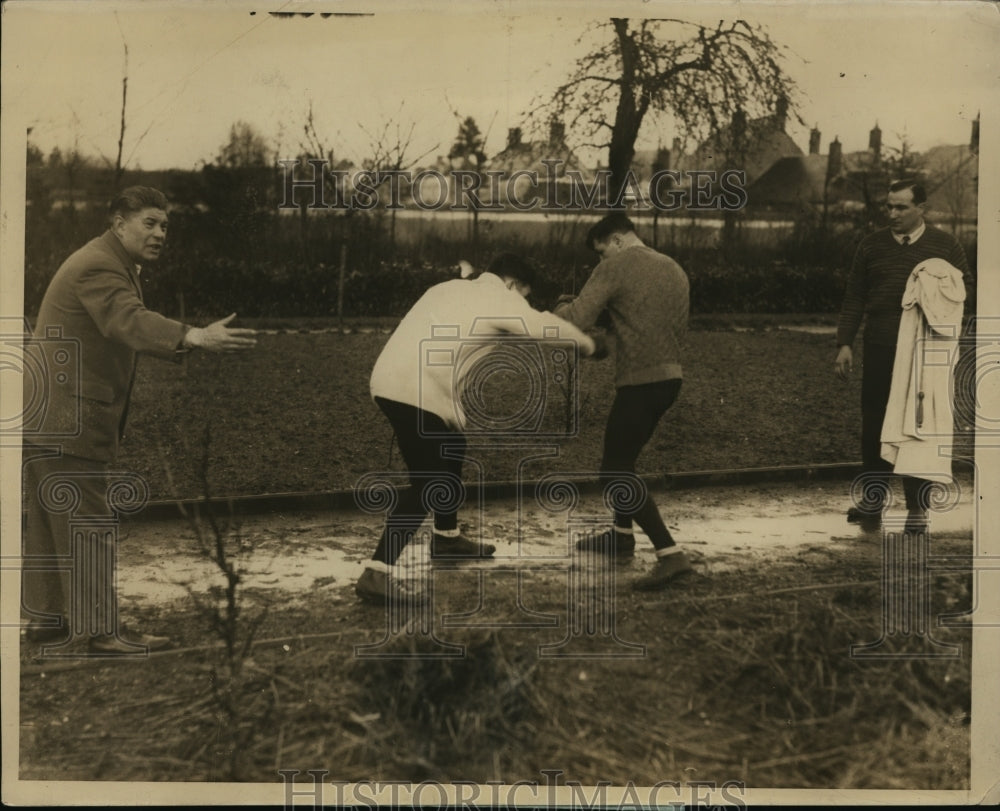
{"x": 835, "y": 158}
{"x": 814, "y": 138}
{"x": 513, "y": 137}
{"x": 662, "y": 160}
{"x": 875, "y": 142}
{"x": 781, "y": 112}
{"x": 739, "y": 123}
{"x": 974, "y": 140}
{"x": 557, "y": 133}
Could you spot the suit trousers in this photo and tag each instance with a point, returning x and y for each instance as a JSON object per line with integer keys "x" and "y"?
{"x": 69, "y": 541}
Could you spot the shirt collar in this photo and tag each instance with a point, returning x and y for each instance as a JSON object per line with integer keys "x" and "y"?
{"x": 914, "y": 235}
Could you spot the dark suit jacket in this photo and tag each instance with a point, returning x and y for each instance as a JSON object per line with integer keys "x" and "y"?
{"x": 91, "y": 324}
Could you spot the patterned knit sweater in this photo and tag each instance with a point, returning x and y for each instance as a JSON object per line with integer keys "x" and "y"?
{"x": 646, "y": 294}
{"x": 878, "y": 278}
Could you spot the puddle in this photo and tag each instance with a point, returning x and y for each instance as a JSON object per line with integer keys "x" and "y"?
{"x": 292, "y": 556}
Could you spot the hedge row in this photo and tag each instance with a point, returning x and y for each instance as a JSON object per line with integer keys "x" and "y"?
{"x": 263, "y": 265}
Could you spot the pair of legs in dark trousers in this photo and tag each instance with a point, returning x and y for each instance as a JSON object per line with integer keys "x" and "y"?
{"x": 876, "y": 381}
{"x": 635, "y": 413}
{"x": 433, "y": 454}
{"x": 69, "y": 543}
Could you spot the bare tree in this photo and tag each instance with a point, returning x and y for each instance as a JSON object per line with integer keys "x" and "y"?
{"x": 903, "y": 162}
{"x": 119, "y": 169}
{"x": 389, "y": 153}
{"x": 701, "y": 76}
{"x": 246, "y": 148}
{"x": 315, "y": 147}
{"x": 953, "y": 180}
{"x": 467, "y": 154}
{"x": 70, "y": 165}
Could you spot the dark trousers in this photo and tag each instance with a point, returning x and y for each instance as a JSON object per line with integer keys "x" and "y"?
{"x": 876, "y": 381}
{"x": 435, "y": 478}
{"x": 635, "y": 413}
{"x": 69, "y": 542}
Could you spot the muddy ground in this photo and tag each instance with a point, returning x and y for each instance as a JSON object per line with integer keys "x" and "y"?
{"x": 742, "y": 672}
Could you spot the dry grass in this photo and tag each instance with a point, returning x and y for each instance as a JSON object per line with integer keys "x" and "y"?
{"x": 746, "y": 676}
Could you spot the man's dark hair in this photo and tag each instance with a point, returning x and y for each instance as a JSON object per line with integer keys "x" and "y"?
{"x": 615, "y": 223}
{"x": 135, "y": 199}
{"x": 514, "y": 267}
{"x": 919, "y": 192}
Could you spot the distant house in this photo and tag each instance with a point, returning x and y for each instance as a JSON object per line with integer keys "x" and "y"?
{"x": 752, "y": 146}
{"x": 520, "y": 155}
{"x": 535, "y": 166}
{"x": 841, "y": 183}
{"x": 952, "y": 182}
{"x": 799, "y": 183}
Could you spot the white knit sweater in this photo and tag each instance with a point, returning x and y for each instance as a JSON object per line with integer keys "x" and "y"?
{"x": 448, "y": 331}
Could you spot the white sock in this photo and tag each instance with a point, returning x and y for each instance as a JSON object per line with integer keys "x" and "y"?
{"x": 624, "y": 530}
{"x": 670, "y": 550}
{"x": 447, "y": 533}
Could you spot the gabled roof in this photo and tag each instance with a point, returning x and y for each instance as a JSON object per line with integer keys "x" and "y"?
{"x": 802, "y": 180}
{"x": 529, "y": 155}
{"x": 790, "y": 180}
{"x": 764, "y": 142}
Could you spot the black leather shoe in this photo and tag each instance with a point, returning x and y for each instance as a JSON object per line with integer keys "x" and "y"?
{"x": 868, "y": 521}
{"x": 617, "y": 545}
{"x": 38, "y": 631}
{"x": 916, "y": 522}
{"x": 444, "y": 547}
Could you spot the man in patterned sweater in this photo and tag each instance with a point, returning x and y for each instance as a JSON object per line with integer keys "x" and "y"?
{"x": 646, "y": 295}
{"x": 882, "y": 264}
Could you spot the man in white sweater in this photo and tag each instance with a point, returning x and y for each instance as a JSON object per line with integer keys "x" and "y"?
{"x": 419, "y": 391}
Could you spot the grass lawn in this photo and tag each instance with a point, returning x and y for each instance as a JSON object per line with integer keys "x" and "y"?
{"x": 295, "y": 414}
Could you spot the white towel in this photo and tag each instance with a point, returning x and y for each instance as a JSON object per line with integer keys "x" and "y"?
{"x": 917, "y": 434}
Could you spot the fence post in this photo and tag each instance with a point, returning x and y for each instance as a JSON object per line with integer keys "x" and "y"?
{"x": 180, "y": 317}
{"x": 340, "y": 284}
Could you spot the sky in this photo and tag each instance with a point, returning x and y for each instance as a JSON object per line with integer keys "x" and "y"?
{"x": 921, "y": 70}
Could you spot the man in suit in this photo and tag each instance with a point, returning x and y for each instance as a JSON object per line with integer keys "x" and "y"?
{"x": 93, "y": 306}
{"x": 882, "y": 266}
